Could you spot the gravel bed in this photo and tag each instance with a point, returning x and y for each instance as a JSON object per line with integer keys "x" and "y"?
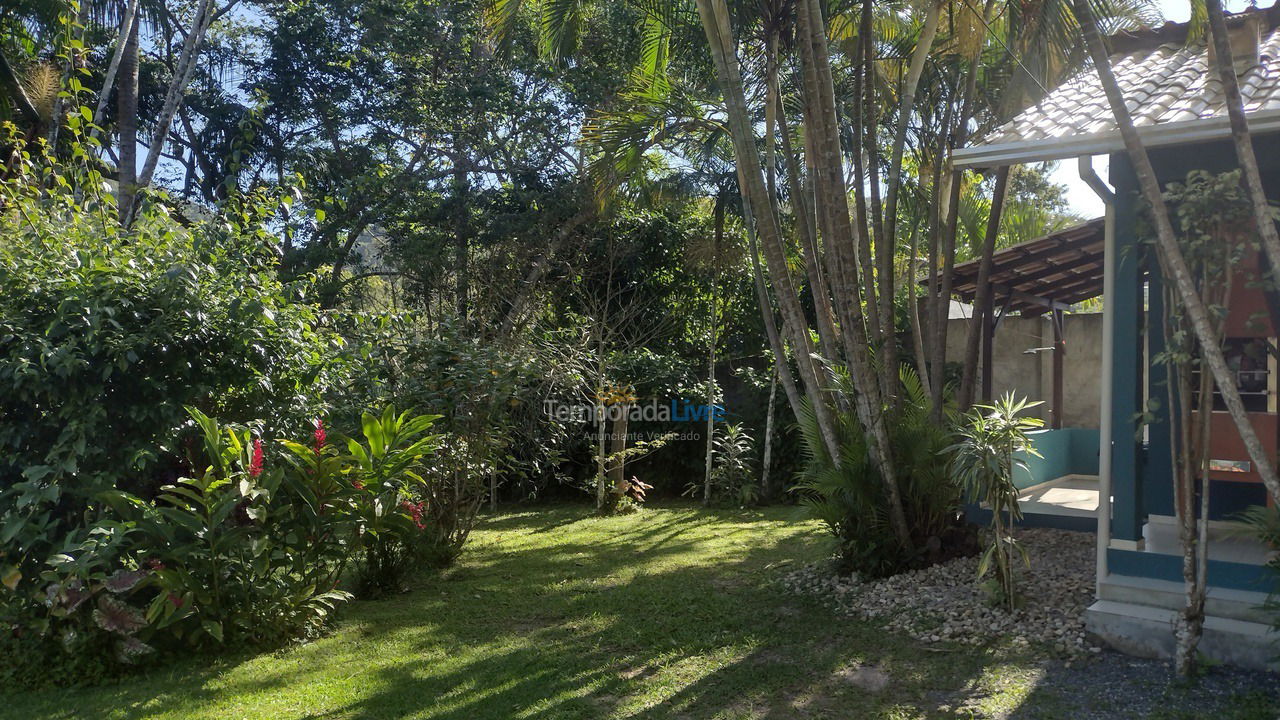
{"x": 944, "y": 603}
{"x": 1075, "y": 679}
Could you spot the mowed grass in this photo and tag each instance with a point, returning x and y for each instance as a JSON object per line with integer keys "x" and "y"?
{"x": 674, "y": 612}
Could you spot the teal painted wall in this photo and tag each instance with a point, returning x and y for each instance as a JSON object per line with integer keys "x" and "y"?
{"x": 1067, "y": 451}
{"x": 1142, "y": 477}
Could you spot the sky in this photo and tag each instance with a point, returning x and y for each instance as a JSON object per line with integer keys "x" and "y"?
{"x": 1080, "y": 198}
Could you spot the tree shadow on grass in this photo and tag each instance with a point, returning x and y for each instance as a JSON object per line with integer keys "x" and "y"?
{"x": 670, "y": 616}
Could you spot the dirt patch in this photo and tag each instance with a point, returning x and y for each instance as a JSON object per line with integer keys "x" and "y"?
{"x": 871, "y": 678}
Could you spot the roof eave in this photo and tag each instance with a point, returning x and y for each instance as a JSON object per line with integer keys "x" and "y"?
{"x": 1162, "y": 135}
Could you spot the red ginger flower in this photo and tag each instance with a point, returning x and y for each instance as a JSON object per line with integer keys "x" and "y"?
{"x": 320, "y": 435}
{"x": 255, "y": 465}
{"x": 415, "y": 511}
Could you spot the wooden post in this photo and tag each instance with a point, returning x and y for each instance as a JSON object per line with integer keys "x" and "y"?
{"x": 1059, "y": 353}
{"x": 988, "y": 333}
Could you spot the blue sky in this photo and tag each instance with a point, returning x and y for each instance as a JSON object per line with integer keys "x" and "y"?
{"x": 1079, "y": 196}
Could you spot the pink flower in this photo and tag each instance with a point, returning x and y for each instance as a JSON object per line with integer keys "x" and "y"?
{"x": 176, "y": 600}
{"x": 255, "y": 465}
{"x": 357, "y": 484}
{"x": 320, "y": 435}
{"x": 415, "y": 511}
{"x": 155, "y": 564}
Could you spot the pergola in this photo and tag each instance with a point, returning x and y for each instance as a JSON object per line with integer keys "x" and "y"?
{"x": 1045, "y": 275}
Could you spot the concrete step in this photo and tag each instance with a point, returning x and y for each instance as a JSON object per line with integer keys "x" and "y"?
{"x": 1220, "y": 602}
{"x": 1147, "y": 631}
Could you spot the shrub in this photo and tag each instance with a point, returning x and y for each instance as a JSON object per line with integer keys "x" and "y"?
{"x": 983, "y": 461}
{"x": 386, "y": 472}
{"x": 732, "y": 479}
{"x": 850, "y": 497}
{"x": 453, "y": 489}
{"x": 107, "y": 332}
{"x": 247, "y": 550}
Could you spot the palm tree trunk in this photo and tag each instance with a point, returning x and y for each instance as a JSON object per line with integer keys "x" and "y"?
{"x": 834, "y": 207}
{"x": 906, "y": 105}
{"x": 766, "y": 312}
{"x": 913, "y": 311}
{"x": 863, "y": 260}
{"x": 982, "y": 305}
{"x": 717, "y": 237}
{"x": 927, "y": 371}
{"x": 1167, "y": 245}
{"x": 715, "y": 23}
{"x": 767, "y": 460}
{"x": 127, "y": 125}
{"x": 828, "y": 336}
{"x": 923, "y": 47}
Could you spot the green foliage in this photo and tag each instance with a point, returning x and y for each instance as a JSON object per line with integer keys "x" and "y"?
{"x": 983, "y": 461}
{"x": 239, "y": 551}
{"x": 249, "y": 549}
{"x": 1264, "y": 524}
{"x": 108, "y": 332}
{"x": 733, "y": 481}
{"x": 387, "y": 472}
{"x": 850, "y": 498}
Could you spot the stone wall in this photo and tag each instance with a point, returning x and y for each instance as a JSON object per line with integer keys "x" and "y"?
{"x": 1030, "y": 374}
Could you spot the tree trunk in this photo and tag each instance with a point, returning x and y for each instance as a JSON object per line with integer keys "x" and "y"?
{"x": 715, "y": 22}
{"x": 864, "y": 159}
{"x": 617, "y": 462}
{"x": 1167, "y": 245}
{"x": 601, "y": 419}
{"x": 493, "y": 488}
{"x": 75, "y": 59}
{"x": 767, "y": 460}
{"x": 13, "y": 87}
{"x": 173, "y": 96}
{"x": 955, "y": 178}
{"x": 906, "y": 105}
{"x": 717, "y": 237}
{"x": 461, "y": 247}
{"x": 913, "y": 312}
{"x": 982, "y": 305}
{"x": 828, "y": 336}
{"x": 776, "y": 345}
{"x": 113, "y": 67}
{"x": 127, "y": 124}
{"x": 935, "y": 233}
{"x": 539, "y": 268}
{"x": 833, "y": 203}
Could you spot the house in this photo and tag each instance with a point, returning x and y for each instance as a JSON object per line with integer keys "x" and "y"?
{"x": 1177, "y": 105}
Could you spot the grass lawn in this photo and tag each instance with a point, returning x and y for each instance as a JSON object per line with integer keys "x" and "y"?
{"x": 552, "y": 613}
